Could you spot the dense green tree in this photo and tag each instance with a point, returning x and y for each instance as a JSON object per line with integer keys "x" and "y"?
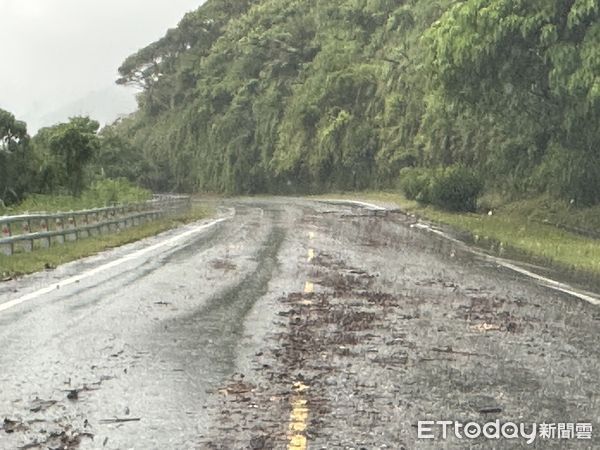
{"x": 74, "y": 144}
{"x": 15, "y": 158}
{"x": 291, "y": 95}
{"x": 116, "y": 157}
{"x": 528, "y": 70}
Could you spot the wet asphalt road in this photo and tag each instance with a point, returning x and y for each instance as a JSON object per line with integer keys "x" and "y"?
{"x": 289, "y": 324}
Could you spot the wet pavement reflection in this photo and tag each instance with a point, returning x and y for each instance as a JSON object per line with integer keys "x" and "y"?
{"x": 203, "y": 344}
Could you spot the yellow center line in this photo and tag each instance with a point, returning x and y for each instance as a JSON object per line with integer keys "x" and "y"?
{"x": 309, "y": 287}
{"x": 298, "y": 419}
{"x": 299, "y": 415}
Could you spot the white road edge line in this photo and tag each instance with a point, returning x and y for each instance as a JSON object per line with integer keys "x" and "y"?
{"x": 548, "y": 282}
{"x": 370, "y": 206}
{"x": 90, "y": 273}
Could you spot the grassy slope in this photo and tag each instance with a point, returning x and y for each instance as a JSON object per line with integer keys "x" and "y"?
{"x": 23, "y": 263}
{"x": 519, "y": 226}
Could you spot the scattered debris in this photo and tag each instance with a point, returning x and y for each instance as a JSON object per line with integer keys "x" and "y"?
{"x": 223, "y": 264}
{"x": 73, "y": 394}
{"x": 484, "y": 327}
{"x": 13, "y": 426}
{"x": 39, "y": 405}
{"x": 449, "y": 349}
{"x": 490, "y": 410}
{"x": 512, "y": 327}
{"x": 263, "y": 442}
{"x": 121, "y": 420}
{"x": 236, "y": 388}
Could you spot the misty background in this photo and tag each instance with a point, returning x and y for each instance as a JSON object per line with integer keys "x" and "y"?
{"x": 60, "y": 57}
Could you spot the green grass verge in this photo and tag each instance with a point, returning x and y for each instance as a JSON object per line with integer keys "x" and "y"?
{"x": 518, "y": 226}
{"x": 24, "y": 263}
{"x": 101, "y": 193}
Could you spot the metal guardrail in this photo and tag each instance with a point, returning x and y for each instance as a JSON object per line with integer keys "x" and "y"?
{"x": 57, "y": 228}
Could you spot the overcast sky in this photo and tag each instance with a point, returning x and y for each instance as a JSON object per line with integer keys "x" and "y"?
{"x": 54, "y": 52}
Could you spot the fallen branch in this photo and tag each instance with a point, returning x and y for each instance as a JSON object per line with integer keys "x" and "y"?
{"x": 449, "y": 349}
{"x": 121, "y": 420}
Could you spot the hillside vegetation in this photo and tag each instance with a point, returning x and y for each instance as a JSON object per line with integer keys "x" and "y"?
{"x": 296, "y": 96}
{"x": 64, "y": 167}
{"x": 444, "y": 99}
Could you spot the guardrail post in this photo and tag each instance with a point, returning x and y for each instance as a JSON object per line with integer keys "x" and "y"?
{"x": 95, "y": 230}
{"x": 84, "y": 233}
{"x": 123, "y": 221}
{"x": 128, "y": 222}
{"x": 104, "y": 228}
{"x": 27, "y": 244}
{"x": 7, "y": 249}
{"x": 60, "y": 226}
{"x": 45, "y": 241}
{"x": 72, "y": 236}
{"x": 113, "y": 226}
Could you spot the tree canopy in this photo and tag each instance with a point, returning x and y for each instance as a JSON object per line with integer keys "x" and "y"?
{"x": 14, "y": 158}
{"x": 533, "y": 68}
{"x": 74, "y": 144}
{"x": 306, "y": 95}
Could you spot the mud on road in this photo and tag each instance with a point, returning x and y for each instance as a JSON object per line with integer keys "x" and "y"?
{"x": 402, "y": 327}
{"x": 294, "y": 325}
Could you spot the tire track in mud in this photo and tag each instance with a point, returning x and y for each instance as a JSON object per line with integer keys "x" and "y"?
{"x": 218, "y": 326}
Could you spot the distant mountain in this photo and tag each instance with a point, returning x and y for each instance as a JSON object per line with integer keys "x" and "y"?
{"x": 104, "y": 105}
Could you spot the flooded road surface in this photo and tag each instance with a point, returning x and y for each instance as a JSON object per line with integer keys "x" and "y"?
{"x": 292, "y": 324}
